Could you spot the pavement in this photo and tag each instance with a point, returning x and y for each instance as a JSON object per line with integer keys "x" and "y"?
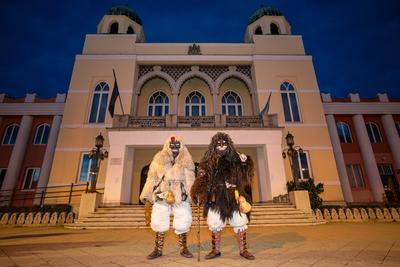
{"x": 334, "y": 244}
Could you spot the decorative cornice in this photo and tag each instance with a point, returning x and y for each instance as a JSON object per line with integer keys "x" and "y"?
{"x": 31, "y": 109}
{"x": 354, "y": 108}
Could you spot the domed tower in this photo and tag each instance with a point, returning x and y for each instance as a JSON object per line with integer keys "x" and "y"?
{"x": 266, "y": 20}
{"x": 121, "y": 20}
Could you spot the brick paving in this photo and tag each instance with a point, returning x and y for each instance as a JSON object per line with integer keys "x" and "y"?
{"x": 341, "y": 244}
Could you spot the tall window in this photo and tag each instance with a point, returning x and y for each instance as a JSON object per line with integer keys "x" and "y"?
{"x": 31, "y": 178}
{"x": 42, "y": 134}
{"x": 99, "y": 103}
{"x": 274, "y": 29}
{"x": 114, "y": 28}
{"x": 356, "y": 178}
{"x": 289, "y": 100}
{"x": 10, "y": 135}
{"x": 397, "y": 123}
{"x": 2, "y": 176}
{"x": 158, "y": 104}
{"x": 301, "y": 165}
{"x": 344, "y": 132}
{"x": 258, "y": 31}
{"x": 195, "y": 104}
{"x": 373, "y": 132}
{"x": 85, "y": 174}
{"x": 231, "y": 104}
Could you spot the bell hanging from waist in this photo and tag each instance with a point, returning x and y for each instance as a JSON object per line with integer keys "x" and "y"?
{"x": 244, "y": 206}
{"x": 169, "y": 198}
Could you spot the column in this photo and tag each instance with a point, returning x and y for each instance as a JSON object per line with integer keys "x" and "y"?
{"x": 216, "y": 107}
{"x": 48, "y": 156}
{"x": 393, "y": 137}
{"x": 174, "y": 103}
{"x": 368, "y": 157}
{"x": 254, "y": 100}
{"x": 17, "y": 155}
{"x": 338, "y": 153}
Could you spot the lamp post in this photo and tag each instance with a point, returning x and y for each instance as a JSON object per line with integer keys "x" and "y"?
{"x": 292, "y": 153}
{"x": 97, "y": 154}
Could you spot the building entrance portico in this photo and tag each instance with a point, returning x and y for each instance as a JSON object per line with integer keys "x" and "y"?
{"x": 130, "y": 147}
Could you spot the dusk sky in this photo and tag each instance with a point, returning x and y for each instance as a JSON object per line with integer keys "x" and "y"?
{"x": 355, "y": 44}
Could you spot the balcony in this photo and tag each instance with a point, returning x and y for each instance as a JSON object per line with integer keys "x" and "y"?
{"x": 175, "y": 121}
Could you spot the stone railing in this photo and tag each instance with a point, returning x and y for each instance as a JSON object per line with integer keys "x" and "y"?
{"x": 357, "y": 214}
{"x": 36, "y": 219}
{"x": 215, "y": 121}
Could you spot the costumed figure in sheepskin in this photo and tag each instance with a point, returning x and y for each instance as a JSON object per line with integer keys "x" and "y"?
{"x": 222, "y": 178}
{"x": 170, "y": 177}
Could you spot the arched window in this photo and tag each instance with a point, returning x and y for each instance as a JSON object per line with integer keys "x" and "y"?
{"x": 99, "y": 103}
{"x": 114, "y": 28}
{"x": 158, "y": 104}
{"x": 195, "y": 104}
{"x": 373, "y": 132}
{"x": 10, "y": 134}
{"x": 130, "y": 30}
{"x": 274, "y": 29}
{"x": 344, "y": 132}
{"x": 42, "y": 134}
{"x": 231, "y": 104}
{"x": 289, "y": 101}
{"x": 258, "y": 31}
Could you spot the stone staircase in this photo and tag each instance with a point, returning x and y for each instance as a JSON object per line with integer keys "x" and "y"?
{"x": 133, "y": 216}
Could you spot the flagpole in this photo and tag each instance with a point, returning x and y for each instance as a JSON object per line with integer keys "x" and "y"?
{"x": 119, "y": 96}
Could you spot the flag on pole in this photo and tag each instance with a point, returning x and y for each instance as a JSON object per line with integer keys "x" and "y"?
{"x": 266, "y": 108}
{"x": 114, "y": 96}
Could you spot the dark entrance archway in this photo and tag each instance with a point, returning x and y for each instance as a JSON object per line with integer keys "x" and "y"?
{"x": 143, "y": 177}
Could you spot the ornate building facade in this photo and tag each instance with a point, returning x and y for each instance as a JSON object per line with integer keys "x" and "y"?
{"x": 256, "y": 91}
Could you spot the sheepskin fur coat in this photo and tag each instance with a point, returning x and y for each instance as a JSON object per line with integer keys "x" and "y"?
{"x": 166, "y": 175}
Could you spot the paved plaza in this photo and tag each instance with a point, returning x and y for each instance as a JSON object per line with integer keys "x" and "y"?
{"x": 341, "y": 244}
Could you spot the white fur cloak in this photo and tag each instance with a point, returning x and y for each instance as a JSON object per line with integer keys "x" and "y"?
{"x": 181, "y": 172}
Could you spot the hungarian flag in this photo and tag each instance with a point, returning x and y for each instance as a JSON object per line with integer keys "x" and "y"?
{"x": 114, "y": 96}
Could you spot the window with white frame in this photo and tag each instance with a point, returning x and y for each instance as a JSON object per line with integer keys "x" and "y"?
{"x": 10, "y": 134}
{"x": 232, "y": 104}
{"x": 301, "y": 165}
{"x": 158, "y": 104}
{"x": 31, "y": 178}
{"x": 195, "y": 104}
{"x": 397, "y": 123}
{"x": 344, "y": 132}
{"x": 373, "y": 132}
{"x": 355, "y": 175}
{"x": 99, "y": 103}
{"x": 289, "y": 101}
{"x": 42, "y": 134}
{"x": 85, "y": 174}
{"x": 3, "y": 172}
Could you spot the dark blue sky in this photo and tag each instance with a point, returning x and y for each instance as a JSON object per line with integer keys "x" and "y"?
{"x": 355, "y": 44}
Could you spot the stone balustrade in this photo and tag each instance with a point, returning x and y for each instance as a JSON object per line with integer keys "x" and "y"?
{"x": 357, "y": 214}
{"x": 36, "y": 219}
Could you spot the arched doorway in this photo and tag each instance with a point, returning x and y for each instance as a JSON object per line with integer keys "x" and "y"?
{"x": 143, "y": 177}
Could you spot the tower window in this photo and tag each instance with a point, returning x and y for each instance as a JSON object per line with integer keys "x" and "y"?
{"x": 130, "y": 30}
{"x": 274, "y": 29}
{"x": 114, "y": 28}
{"x": 289, "y": 101}
{"x": 42, "y": 134}
{"x": 158, "y": 104}
{"x": 344, "y": 132}
{"x": 231, "y": 104}
{"x": 258, "y": 31}
{"x": 10, "y": 135}
{"x": 373, "y": 132}
{"x": 195, "y": 104}
{"x": 99, "y": 103}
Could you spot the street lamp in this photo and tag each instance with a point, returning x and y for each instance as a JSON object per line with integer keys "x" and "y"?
{"x": 97, "y": 154}
{"x": 292, "y": 152}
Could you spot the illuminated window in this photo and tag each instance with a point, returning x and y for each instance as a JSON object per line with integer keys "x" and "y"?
{"x": 85, "y": 175}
